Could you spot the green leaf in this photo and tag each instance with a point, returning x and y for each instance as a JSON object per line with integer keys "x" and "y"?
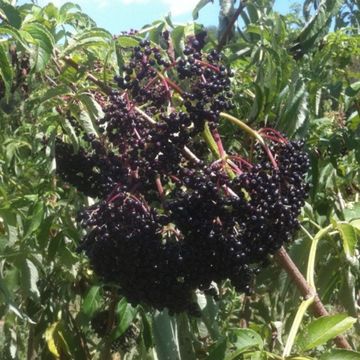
{"x": 165, "y": 337}
{"x": 191, "y": 29}
{"x": 91, "y": 302}
{"x": 209, "y": 314}
{"x": 257, "y": 104}
{"x": 177, "y": 36}
{"x": 127, "y": 41}
{"x": 65, "y": 9}
{"x": 324, "y": 329}
{"x": 356, "y": 224}
{"x": 11, "y": 13}
{"x": 45, "y": 42}
{"x": 185, "y": 337}
{"x": 340, "y": 354}
{"x": 11, "y": 225}
{"x": 126, "y": 314}
{"x": 30, "y": 277}
{"x": 55, "y": 91}
{"x": 94, "y": 36}
{"x": 314, "y": 28}
{"x": 8, "y": 299}
{"x": 14, "y": 34}
{"x": 217, "y": 351}
{"x": 244, "y": 340}
{"x": 296, "y": 109}
{"x": 71, "y": 342}
{"x": 92, "y": 115}
{"x": 352, "y": 211}
{"x": 6, "y": 73}
{"x": 36, "y": 219}
{"x": 349, "y": 238}
{"x": 353, "y": 89}
{"x": 199, "y": 6}
{"x": 50, "y": 339}
{"x": 147, "y": 332}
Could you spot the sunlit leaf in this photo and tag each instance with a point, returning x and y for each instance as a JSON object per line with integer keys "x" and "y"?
{"x": 49, "y": 337}
{"x": 323, "y": 329}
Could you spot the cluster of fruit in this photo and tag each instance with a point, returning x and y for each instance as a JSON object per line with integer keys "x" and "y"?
{"x": 169, "y": 221}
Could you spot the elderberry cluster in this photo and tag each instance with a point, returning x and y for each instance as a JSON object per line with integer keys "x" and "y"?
{"x": 166, "y": 222}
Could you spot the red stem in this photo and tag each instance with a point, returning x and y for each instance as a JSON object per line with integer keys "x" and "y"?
{"x": 174, "y": 86}
{"x": 166, "y": 85}
{"x": 160, "y": 188}
{"x": 270, "y": 156}
{"x": 210, "y": 66}
{"x": 240, "y": 159}
{"x": 219, "y": 144}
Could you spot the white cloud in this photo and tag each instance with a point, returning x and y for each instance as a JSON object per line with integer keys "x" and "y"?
{"x": 176, "y": 7}
{"x": 179, "y": 7}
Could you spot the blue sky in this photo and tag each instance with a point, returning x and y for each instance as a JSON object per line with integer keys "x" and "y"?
{"x": 120, "y": 15}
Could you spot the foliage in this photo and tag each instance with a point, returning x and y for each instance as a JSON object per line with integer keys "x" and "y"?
{"x": 56, "y": 67}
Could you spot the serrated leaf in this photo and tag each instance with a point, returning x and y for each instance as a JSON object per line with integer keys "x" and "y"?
{"x": 36, "y": 218}
{"x": 94, "y": 36}
{"x": 313, "y": 29}
{"x": 352, "y": 211}
{"x": 209, "y": 313}
{"x": 323, "y": 329}
{"x": 257, "y": 104}
{"x": 165, "y": 336}
{"x": 70, "y": 342}
{"x": 55, "y": 91}
{"x": 14, "y": 33}
{"x": 93, "y": 113}
{"x": 147, "y": 332}
{"x": 245, "y": 339}
{"x": 87, "y": 123}
{"x": 65, "y": 9}
{"x": 340, "y": 354}
{"x": 296, "y": 111}
{"x": 11, "y": 13}
{"x": 68, "y": 127}
{"x": 126, "y": 314}
{"x": 349, "y": 238}
{"x": 355, "y": 224}
{"x": 185, "y": 337}
{"x": 91, "y": 301}
{"x": 30, "y": 276}
{"x": 127, "y": 41}
{"x": 6, "y": 73}
{"x": 199, "y": 6}
{"x": 10, "y": 303}
{"x": 177, "y": 36}
{"x": 44, "y": 40}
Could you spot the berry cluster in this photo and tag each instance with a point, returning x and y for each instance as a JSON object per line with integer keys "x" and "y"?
{"x": 168, "y": 223}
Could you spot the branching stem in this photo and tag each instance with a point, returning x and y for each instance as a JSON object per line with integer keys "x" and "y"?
{"x": 284, "y": 260}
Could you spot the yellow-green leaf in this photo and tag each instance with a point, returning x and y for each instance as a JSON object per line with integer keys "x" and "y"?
{"x": 49, "y": 337}
{"x": 324, "y": 329}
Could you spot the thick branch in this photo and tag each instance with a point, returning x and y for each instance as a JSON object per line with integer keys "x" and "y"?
{"x": 284, "y": 260}
{"x": 225, "y": 35}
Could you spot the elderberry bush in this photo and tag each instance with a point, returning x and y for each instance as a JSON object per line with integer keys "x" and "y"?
{"x": 168, "y": 221}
